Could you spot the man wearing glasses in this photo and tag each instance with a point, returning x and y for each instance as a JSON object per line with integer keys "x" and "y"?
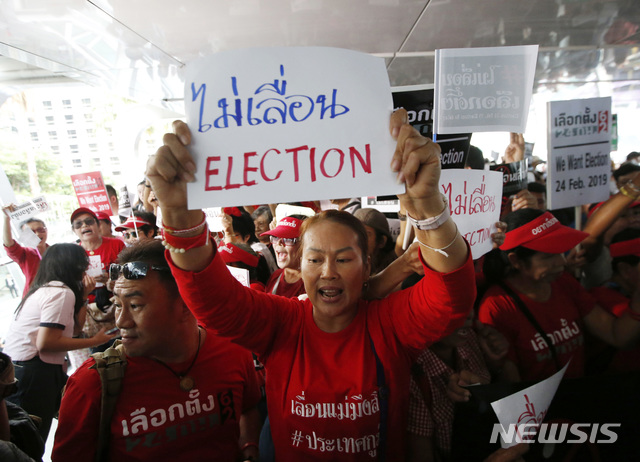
{"x": 27, "y": 258}
{"x": 102, "y": 251}
{"x": 286, "y": 280}
{"x": 186, "y": 394}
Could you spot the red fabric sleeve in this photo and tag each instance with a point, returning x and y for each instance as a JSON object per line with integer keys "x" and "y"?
{"x": 430, "y": 310}
{"x": 252, "y": 319}
{"x": 16, "y": 252}
{"x": 79, "y": 418}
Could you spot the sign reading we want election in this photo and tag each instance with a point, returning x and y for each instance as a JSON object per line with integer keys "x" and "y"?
{"x": 579, "y": 138}
{"x": 288, "y": 124}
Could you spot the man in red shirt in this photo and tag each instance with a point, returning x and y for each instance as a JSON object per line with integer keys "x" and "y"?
{"x": 26, "y": 257}
{"x": 187, "y": 394}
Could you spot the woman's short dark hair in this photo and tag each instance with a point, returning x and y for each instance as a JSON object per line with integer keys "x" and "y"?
{"x": 149, "y": 217}
{"x": 341, "y": 218}
{"x": 66, "y": 263}
{"x": 244, "y": 226}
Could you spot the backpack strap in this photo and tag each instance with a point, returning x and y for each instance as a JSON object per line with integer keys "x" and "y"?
{"x": 532, "y": 320}
{"x": 110, "y": 365}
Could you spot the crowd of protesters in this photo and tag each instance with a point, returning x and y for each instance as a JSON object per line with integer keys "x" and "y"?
{"x": 340, "y": 344}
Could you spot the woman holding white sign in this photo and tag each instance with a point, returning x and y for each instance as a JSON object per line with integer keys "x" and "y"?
{"x": 338, "y": 366}
{"x": 541, "y": 309}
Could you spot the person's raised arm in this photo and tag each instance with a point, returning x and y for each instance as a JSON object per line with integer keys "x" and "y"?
{"x": 169, "y": 171}
{"x": 7, "y": 238}
{"x": 417, "y": 161}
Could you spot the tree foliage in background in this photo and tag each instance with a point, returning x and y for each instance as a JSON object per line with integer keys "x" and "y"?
{"x": 51, "y": 176}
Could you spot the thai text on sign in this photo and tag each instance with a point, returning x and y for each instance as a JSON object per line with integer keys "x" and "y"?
{"x": 288, "y": 124}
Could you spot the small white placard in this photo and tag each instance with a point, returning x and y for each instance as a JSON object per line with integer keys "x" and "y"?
{"x": 527, "y": 408}
{"x": 475, "y": 197}
{"x": 483, "y": 89}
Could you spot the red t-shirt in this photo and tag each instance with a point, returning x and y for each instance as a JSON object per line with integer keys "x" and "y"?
{"x": 321, "y": 387}
{"x": 28, "y": 260}
{"x": 108, "y": 252}
{"x": 560, "y": 317}
{"x": 284, "y": 289}
{"x": 154, "y": 419}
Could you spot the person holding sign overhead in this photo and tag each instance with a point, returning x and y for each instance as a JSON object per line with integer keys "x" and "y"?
{"x": 338, "y": 367}
{"x": 539, "y": 307}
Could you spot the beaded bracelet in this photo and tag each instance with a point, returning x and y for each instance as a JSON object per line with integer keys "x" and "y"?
{"x": 177, "y": 232}
{"x": 178, "y": 244}
{"x": 441, "y": 250}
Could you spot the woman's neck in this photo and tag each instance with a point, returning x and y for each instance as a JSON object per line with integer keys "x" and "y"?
{"x": 536, "y": 290}
{"x": 291, "y": 276}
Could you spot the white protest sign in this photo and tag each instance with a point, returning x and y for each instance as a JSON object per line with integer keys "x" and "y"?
{"x": 95, "y": 268}
{"x": 474, "y": 198}
{"x": 214, "y": 218}
{"x": 483, "y": 89}
{"x": 6, "y": 191}
{"x": 29, "y": 209}
{"x": 276, "y": 125}
{"x": 578, "y": 164}
{"x": 241, "y": 275}
{"x": 527, "y": 408}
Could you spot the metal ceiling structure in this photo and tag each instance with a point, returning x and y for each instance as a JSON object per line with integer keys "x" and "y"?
{"x": 138, "y": 48}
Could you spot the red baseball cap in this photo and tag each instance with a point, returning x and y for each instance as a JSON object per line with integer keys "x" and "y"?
{"x": 80, "y": 211}
{"x": 544, "y": 234}
{"x": 132, "y": 223}
{"x": 288, "y": 228}
{"x": 101, "y": 216}
{"x": 625, "y": 248}
{"x": 231, "y": 254}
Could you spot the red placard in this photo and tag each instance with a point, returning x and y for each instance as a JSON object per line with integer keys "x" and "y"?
{"x": 91, "y": 192}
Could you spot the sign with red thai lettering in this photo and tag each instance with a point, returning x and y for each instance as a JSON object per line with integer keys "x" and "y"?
{"x": 276, "y": 125}
{"x": 91, "y": 192}
{"x": 474, "y": 198}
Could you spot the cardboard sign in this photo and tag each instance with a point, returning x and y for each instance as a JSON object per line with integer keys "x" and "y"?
{"x": 288, "y": 124}
{"x": 578, "y": 166}
{"x": 91, "y": 192}
{"x": 418, "y": 101}
{"x": 483, "y": 89}
{"x": 514, "y": 177}
{"x": 474, "y": 198}
{"x": 29, "y": 209}
{"x": 527, "y": 408}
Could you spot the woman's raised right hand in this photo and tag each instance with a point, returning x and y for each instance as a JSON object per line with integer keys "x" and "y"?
{"x": 171, "y": 168}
